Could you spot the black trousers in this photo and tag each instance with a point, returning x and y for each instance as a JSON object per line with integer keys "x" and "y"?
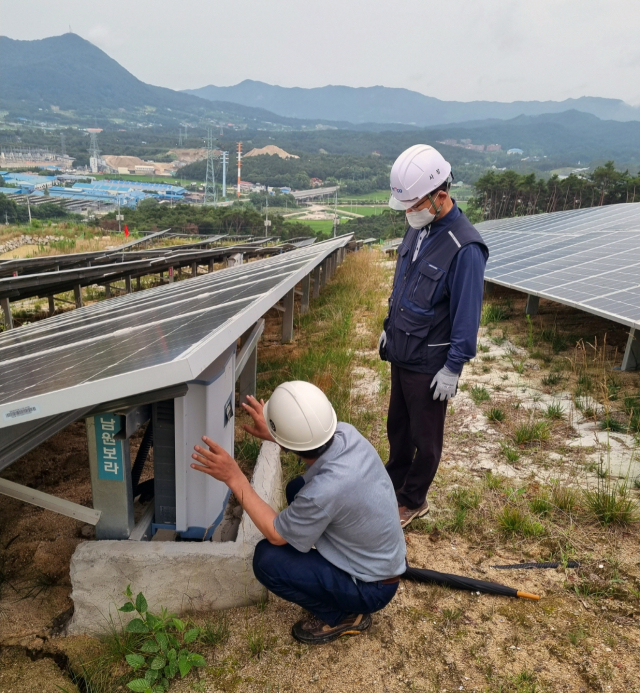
{"x": 415, "y": 428}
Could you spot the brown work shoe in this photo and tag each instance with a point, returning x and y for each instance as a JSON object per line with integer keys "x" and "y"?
{"x": 313, "y": 631}
{"x": 408, "y": 514}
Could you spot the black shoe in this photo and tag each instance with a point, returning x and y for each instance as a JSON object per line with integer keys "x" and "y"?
{"x": 313, "y": 631}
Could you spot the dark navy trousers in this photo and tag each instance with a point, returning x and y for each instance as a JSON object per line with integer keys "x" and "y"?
{"x": 309, "y": 580}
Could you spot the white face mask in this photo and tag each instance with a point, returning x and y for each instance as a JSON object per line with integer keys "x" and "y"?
{"x": 420, "y": 218}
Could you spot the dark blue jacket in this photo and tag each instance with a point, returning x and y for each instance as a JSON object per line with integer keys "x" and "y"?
{"x": 435, "y": 305}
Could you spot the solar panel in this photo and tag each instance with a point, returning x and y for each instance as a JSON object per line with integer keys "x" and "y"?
{"x": 586, "y": 258}
{"x": 143, "y": 341}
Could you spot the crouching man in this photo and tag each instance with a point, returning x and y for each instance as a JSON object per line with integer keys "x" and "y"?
{"x": 338, "y": 549}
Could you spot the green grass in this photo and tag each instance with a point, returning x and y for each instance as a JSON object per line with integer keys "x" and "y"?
{"x": 492, "y": 312}
{"x": 511, "y": 455}
{"x": 324, "y": 226}
{"x": 533, "y": 432}
{"x": 514, "y": 520}
{"x": 362, "y": 210}
{"x": 551, "y": 380}
{"x": 376, "y": 195}
{"x": 479, "y": 393}
{"x": 555, "y": 411}
{"x": 215, "y": 632}
{"x": 610, "y": 504}
{"x": 496, "y": 414}
{"x": 564, "y": 498}
{"x": 609, "y": 423}
{"x": 540, "y": 504}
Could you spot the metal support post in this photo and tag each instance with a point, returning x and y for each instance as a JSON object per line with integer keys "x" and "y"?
{"x": 287, "y": 318}
{"x": 532, "y": 304}
{"x": 323, "y": 276}
{"x": 631, "y": 358}
{"x": 77, "y": 295}
{"x": 110, "y": 468}
{"x": 210, "y": 266}
{"x": 52, "y": 305}
{"x": 6, "y": 309}
{"x": 138, "y": 284}
{"x": 306, "y": 290}
{"x": 107, "y": 290}
{"x": 316, "y": 281}
{"x": 127, "y": 283}
{"x": 170, "y": 275}
{"x": 194, "y": 269}
{"x": 489, "y": 288}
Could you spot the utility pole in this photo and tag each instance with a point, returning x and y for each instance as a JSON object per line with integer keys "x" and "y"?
{"x": 239, "y": 166}
{"x": 29, "y": 209}
{"x": 336, "y": 221}
{"x": 119, "y": 216}
{"x": 180, "y": 136}
{"x": 210, "y": 192}
{"x": 63, "y": 148}
{"x": 267, "y": 221}
{"x": 225, "y": 161}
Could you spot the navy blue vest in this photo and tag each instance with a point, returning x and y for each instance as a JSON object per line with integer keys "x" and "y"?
{"x": 418, "y": 325}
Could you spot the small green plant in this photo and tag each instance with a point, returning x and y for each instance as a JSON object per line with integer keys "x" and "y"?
{"x": 585, "y": 382}
{"x": 511, "y": 455}
{"x": 493, "y": 481}
{"x": 513, "y": 520}
{"x": 532, "y": 432}
{"x": 479, "y": 394}
{"x": 458, "y": 520}
{"x": 551, "y": 380}
{"x": 540, "y": 504}
{"x": 488, "y": 358}
{"x": 491, "y": 312}
{"x": 555, "y": 411}
{"x": 564, "y": 498}
{"x": 483, "y": 348}
{"x": 215, "y": 632}
{"x": 610, "y": 503}
{"x": 465, "y": 499}
{"x": 530, "y": 344}
{"x": 608, "y": 423}
{"x": 161, "y": 654}
{"x": 576, "y": 636}
{"x": 496, "y": 414}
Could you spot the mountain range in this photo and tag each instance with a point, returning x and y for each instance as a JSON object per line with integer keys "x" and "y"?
{"x": 389, "y": 105}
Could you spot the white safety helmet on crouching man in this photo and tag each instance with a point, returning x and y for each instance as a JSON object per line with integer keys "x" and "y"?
{"x": 417, "y": 172}
{"x": 299, "y": 416}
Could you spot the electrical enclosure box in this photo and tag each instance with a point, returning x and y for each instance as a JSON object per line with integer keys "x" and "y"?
{"x": 206, "y": 409}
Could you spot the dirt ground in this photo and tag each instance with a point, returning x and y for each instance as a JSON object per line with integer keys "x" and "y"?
{"x": 581, "y": 636}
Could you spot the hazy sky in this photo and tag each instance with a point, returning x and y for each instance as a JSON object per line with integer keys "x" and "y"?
{"x": 499, "y": 50}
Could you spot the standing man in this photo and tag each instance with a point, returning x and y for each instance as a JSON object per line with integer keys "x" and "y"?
{"x": 337, "y": 550}
{"x": 432, "y": 325}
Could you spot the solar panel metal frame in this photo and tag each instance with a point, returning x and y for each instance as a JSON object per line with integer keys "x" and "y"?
{"x": 184, "y": 367}
{"x": 533, "y": 242}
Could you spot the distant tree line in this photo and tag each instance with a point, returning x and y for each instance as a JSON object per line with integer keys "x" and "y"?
{"x": 508, "y": 194}
{"x": 182, "y": 218}
{"x": 13, "y": 213}
{"x": 356, "y": 174}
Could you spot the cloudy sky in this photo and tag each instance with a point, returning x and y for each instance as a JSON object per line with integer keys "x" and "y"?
{"x": 498, "y": 50}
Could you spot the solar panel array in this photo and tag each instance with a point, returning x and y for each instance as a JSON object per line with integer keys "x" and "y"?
{"x": 586, "y": 258}
{"x": 144, "y": 341}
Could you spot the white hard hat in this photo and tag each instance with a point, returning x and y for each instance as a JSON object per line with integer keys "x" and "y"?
{"x": 418, "y": 171}
{"x": 299, "y": 416}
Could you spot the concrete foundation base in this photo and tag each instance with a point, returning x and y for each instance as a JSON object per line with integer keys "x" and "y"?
{"x": 177, "y": 575}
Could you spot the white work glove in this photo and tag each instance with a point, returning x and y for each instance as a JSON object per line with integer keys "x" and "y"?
{"x": 382, "y": 345}
{"x": 445, "y": 383}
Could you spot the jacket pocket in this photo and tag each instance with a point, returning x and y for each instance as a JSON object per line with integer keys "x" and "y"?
{"x": 425, "y": 285}
{"x": 410, "y": 337}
